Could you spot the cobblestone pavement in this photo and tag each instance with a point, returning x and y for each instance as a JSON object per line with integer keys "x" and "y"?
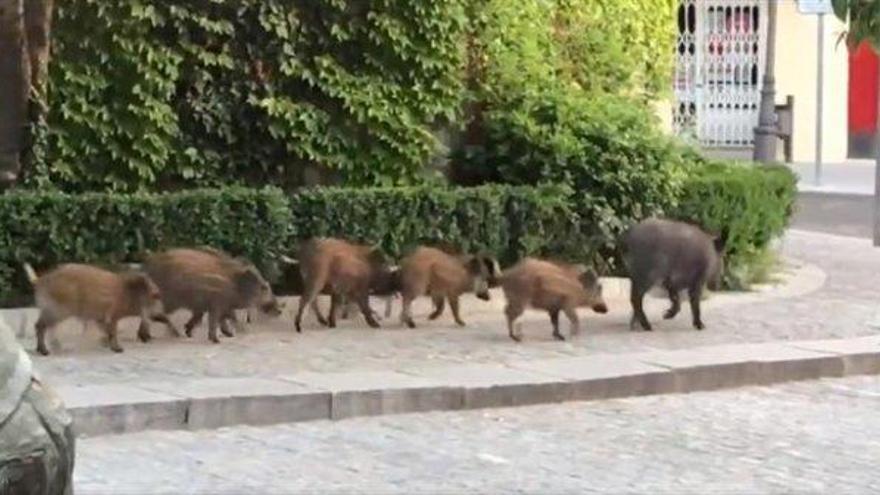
{"x": 808, "y": 437}
{"x": 845, "y": 306}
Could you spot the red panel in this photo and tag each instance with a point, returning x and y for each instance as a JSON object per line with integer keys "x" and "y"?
{"x": 864, "y": 71}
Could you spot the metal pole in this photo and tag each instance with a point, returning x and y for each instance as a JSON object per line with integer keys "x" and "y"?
{"x": 765, "y": 133}
{"x": 820, "y": 80}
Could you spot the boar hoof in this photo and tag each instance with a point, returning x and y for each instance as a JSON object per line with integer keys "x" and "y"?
{"x": 558, "y": 336}
{"x": 410, "y": 324}
{"x": 669, "y": 314}
{"x": 117, "y": 349}
{"x": 144, "y": 336}
{"x": 699, "y": 325}
{"x": 516, "y": 338}
{"x": 460, "y": 323}
{"x": 227, "y": 332}
{"x": 43, "y": 351}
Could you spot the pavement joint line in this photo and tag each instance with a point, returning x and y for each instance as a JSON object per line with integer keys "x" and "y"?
{"x": 207, "y": 403}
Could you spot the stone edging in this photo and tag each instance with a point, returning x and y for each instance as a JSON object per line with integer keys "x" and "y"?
{"x": 218, "y": 402}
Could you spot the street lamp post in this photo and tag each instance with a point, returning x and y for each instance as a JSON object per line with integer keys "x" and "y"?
{"x": 766, "y": 132}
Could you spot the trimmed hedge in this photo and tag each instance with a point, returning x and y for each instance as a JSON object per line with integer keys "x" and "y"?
{"x": 508, "y": 221}
{"x": 45, "y": 229}
{"x": 748, "y": 204}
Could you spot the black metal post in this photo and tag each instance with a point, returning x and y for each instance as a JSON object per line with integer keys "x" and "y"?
{"x": 765, "y": 133}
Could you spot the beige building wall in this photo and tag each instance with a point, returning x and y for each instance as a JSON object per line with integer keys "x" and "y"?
{"x": 796, "y": 62}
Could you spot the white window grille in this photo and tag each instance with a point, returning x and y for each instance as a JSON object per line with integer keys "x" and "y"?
{"x": 718, "y": 71}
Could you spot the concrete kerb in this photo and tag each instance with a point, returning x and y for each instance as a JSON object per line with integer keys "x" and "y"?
{"x": 218, "y": 402}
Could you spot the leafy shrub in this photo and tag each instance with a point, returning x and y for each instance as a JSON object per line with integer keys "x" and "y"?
{"x": 506, "y": 221}
{"x": 45, "y": 229}
{"x": 620, "y": 168}
{"x": 146, "y": 95}
{"x": 748, "y": 204}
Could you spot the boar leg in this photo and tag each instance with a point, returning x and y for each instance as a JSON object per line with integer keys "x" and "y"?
{"x": 695, "y": 293}
{"x": 194, "y": 320}
{"x": 112, "y": 335}
{"x": 636, "y": 296}
{"x": 43, "y": 324}
{"x": 406, "y": 312}
{"x": 163, "y": 318}
{"x": 308, "y": 299}
{"x": 512, "y": 312}
{"x": 675, "y": 298}
{"x": 453, "y": 305}
{"x": 214, "y": 322}
{"x": 439, "y": 304}
{"x": 388, "y": 305}
{"x": 363, "y": 302}
{"x": 317, "y": 310}
{"x": 239, "y": 326}
{"x": 572, "y": 316}
{"x": 334, "y": 308}
{"x": 554, "y": 319}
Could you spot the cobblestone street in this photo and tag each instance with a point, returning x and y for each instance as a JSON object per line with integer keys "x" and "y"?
{"x": 809, "y": 437}
{"x": 845, "y": 306}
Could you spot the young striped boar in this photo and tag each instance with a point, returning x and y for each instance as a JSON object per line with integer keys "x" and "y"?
{"x": 675, "y": 256}
{"x": 553, "y": 287}
{"x": 444, "y": 277}
{"x": 91, "y": 294}
{"x": 207, "y": 281}
{"x": 349, "y": 272}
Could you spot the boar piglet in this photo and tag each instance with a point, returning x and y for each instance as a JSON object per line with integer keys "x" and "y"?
{"x": 553, "y": 287}
{"x": 91, "y": 294}
{"x": 444, "y": 277}
{"x": 674, "y": 256}
{"x": 207, "y": 281}
{"x": 348, "y": 272}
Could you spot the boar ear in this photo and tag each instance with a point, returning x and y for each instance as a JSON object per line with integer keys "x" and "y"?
{"x": 719, "y": 241}
{"x": 247, "y": 281}
{"x": 138, "y": 283}
{"x": 589, "y": 277}
{"x": 474, "y": 265}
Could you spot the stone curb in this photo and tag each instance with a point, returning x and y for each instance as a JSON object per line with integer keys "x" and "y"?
{"x": 219, "y": 402}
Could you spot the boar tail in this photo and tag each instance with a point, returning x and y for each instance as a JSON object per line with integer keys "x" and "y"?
{"x": 31, "y": 274}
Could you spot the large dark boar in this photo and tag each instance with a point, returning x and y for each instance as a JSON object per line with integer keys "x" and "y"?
{"x": 207, "y": 281}
{"x": 348, "y": 272}
{"x": 91, "y": 294}
{"x": 444, "y": 277}
{"x": 553, "y": 287}
{"x": 675, "y": 256}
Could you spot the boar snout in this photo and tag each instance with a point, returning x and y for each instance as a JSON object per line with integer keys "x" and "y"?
{"x": 600, "y": 307}
{"x": 483, "y": 295}
{"x": 273, "y": 307}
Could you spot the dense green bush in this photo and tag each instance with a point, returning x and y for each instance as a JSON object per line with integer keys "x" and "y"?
{"x": 506, "y": 221}
{"x": 619, "y": 166}
{"x": 49, "y": 228}
{"x": 150, "y": 94}
{"x": 748, "y": 204}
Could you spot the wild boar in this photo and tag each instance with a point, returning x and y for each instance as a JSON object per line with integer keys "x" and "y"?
{"x": 348, "y": 271}
{"x": 675, "y": 256}
{"x": 551, "y": 286}
{"x": 444, "y": 277}
{"x": 91, "y": 294}
{"x": 206, "y": 281}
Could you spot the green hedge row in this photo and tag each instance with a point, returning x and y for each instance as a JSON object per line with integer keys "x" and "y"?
{"x": 749, "y": 205}
{"x": 45, "y": 229}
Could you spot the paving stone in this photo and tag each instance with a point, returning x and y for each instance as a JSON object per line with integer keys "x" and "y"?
{"x": 104, "y": 409}
{"x": 369, "y": 393}
{"x": 860, "y": 356}
{"x": 710, "y": 368}
{"x": 218, "y": 402}
{"x": 604, "y": 376}
{"x": 486, "y": 385}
